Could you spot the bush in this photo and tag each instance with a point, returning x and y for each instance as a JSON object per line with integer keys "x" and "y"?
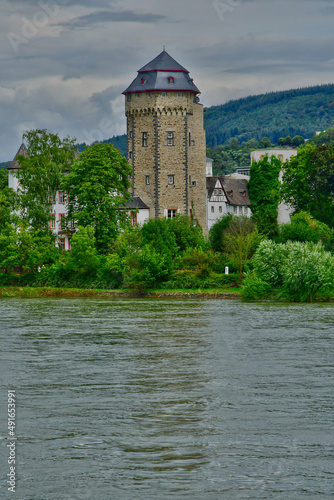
{"x": 193, "y": 258}
{"x": 304, "y": 227}
{"x": 292, "y": 271}
{"x": 191, "y": 279}
{"x": 216, "y": 232}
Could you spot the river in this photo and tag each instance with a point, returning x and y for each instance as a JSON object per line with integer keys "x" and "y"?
{"x": 167, "y": 399}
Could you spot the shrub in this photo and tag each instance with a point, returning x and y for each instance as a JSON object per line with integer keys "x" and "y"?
{"x": 304, "y": 227}
{"x": 291, "y": 271}
{"x": 216, "y": 232}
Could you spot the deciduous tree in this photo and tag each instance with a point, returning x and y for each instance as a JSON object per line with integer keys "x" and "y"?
{"x": 97, "y": 186}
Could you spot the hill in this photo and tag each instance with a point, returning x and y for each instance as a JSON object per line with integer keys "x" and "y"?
{"x": 301, "y": 112}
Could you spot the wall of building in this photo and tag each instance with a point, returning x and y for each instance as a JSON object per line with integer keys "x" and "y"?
{"x": 185, "y": 160}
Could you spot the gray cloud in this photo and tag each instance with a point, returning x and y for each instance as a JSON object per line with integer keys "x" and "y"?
{"x": 68, "y": 75}
{"x": 106, "y": 16}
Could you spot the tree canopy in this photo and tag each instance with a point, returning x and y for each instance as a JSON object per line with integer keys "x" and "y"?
{"x": 308, "y": 182}
{"x": 264, "y": 192}
{"x": 40, "y": 175}
{"x": 97, "y": 186}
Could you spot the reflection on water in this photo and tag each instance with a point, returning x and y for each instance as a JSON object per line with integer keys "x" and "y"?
{"x": 157, "y": 399}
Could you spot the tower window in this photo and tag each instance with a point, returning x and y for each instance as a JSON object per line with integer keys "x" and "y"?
{"x": 170, "y": 138}
{"x": 147, "y": 180}
{"x": 128, "y": 97}
{"x": 163, "y": 94}
{"x": 131, "y": 134}
{"x": 220, "y": 209}
{"x": 144, "y": 139}
{"x": 212, "y": 208}
{"x": 171, "y": 179}
{"x": 130, "y": 155}
{"x": 179, "y": 94}
{"x": 171, "y": 80}
{"x": 143, "y": 81}
{"x": 171, "y": 213}
{"x": 137, "y": 95}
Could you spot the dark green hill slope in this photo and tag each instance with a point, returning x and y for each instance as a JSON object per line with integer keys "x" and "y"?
{"x": 276, "y": 114}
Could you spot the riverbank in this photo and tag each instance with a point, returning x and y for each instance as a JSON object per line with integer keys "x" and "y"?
{"x": 35, "y": 292}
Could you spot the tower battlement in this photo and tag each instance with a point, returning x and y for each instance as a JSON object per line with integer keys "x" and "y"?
{"x": 166, "y": 140}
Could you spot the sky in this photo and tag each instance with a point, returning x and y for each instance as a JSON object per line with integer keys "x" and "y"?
{"x": 65, "y": 63}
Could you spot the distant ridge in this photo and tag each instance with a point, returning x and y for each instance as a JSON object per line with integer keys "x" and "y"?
{"x": 303, "y": 111}
{"x": 293, "y": 112}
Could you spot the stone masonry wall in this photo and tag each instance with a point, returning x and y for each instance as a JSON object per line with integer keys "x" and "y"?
{"x": 185, "y": 159}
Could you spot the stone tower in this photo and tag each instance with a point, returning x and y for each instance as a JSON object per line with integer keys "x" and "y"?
{"x": 166, "y": 140}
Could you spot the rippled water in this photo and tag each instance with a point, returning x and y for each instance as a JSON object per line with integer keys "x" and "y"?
{"x": 168, "y": 399}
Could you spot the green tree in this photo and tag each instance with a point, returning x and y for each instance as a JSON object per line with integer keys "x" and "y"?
{"x": 265, "y": 142}
{"x": 240, "y": 241}
{"x": 304, "y": 227}
{"x": 216, "y": 232}
{"x": 290, "y": 271}
{"x": 297, "y": 140}
{"x": 26, "y": 250}
{"x": 83, "y": 258}
{"x": 98, "y": 186}
{"x": 308, "y": 182}
{"x": 264, "y": 193}
{"x": 40, "y": 175}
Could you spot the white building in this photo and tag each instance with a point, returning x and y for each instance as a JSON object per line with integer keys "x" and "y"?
{"x": 138, "y": 211}
{"x": 226, "y": 194}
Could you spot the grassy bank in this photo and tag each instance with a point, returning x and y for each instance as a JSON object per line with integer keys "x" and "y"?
{"x": 34, "y": 292}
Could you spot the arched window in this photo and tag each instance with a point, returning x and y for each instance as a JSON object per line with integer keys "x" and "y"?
{"x": 170, "y": 79}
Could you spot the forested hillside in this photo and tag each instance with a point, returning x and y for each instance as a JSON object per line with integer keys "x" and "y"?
{"x": 276, "y": 114}
{"x": 299, "y": 112}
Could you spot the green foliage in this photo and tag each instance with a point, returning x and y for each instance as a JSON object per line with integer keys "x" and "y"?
{"x": 291, "y": 271}
{"x": 3, "y": 179}
{"x": 325, "y": 137}
{"x": 40, "y": 175}
{"x": 308, "y": 182}
{"x": 197, "y": 279}
{"x": 299, "y": 112}
{"x": 26, "y": 250}
{"x": 240, "y": 240}
{"x": 186, "y": 234}
{"x": 196, "y": 258}
{"x": 98, "y": 183}
{"x": 143, "y": 268}
{"x": 83, "y": 257}
{"x": 304, "y": 227}
{"x": 230, "y": 156}
{"x": 264, "y": 193}
{"x": 216, "y": 232}
{"x": 159, "y": 233}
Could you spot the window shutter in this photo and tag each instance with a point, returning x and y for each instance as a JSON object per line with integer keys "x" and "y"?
{"x": 178, "y": 211}
{"x": 165, "y": 212}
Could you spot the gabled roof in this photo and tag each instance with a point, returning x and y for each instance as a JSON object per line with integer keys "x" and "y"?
{"x": 211, "y": 184}
{"x": 15, "y": 164}
{"x": 236, "y": 191}
{"x": 163, "y": 62}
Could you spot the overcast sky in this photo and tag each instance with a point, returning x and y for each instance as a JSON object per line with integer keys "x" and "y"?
{"x": 65, "y": 63}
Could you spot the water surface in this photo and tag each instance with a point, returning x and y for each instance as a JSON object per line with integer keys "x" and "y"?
{"x": 168, "y": 399}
